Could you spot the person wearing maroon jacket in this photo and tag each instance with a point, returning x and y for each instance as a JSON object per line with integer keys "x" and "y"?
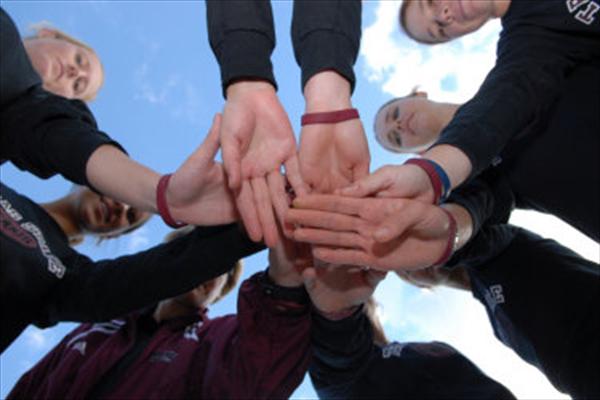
{"x": 175, "y": 350}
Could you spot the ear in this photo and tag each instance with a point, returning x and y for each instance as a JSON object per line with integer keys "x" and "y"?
{"x": 422, "y": 94}
{"x": 47, "y": 33}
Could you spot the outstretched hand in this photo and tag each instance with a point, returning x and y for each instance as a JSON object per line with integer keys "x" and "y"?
{"x": 198, "y": 192}
{"x": 257, "y": 139}
{"x": 387, "y": 234}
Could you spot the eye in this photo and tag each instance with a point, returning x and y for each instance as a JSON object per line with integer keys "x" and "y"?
{"x": 78, "y": 59}
{"x": 132, "y": 216}
{"x": 396, "y": 113}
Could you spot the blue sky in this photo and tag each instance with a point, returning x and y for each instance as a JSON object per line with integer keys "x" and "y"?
{"x": 161, "y": 90}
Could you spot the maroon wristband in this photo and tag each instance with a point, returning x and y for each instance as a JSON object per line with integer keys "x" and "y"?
{"x": 331, "y": 117}
{"x": 161, "y": 202}
{"x": 452, "y": 239}
{"x": 434, "y": 178}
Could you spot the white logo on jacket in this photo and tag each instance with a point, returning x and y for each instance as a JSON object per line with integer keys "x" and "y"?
{"x": 585, "y": 10}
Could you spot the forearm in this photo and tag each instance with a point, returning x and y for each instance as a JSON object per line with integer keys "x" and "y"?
{"x": 326, "y": 36}
{"x": 97, "y": 291}
{"x": 114, "y": 174}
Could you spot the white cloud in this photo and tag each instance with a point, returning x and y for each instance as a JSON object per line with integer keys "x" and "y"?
{"x": 551, "y": 227}
{"x": 449, "y": 72}
{"x": 37, "y": 339}
{"x": 138, "y": 240}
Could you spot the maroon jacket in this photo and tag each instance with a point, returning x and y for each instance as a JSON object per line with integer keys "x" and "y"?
{"x": 263, "y": 352}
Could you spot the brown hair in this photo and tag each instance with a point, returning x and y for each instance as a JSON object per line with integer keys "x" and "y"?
{"x": 58, "y": 34}
{"x": 370, "y": 309}
{"x": 233, "y": 275}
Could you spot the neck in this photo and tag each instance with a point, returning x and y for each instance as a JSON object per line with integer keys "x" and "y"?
{"x": 445, "y": 113}
{"x": 64, "y": 214}
{"x": 501, "y": 8}
{"x": 171, "y": 308}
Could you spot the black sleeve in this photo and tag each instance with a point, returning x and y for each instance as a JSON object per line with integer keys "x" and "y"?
{"x": 326, "y": 36}
{"x": 341, "y": 351}
{"x": 242, "y": 37}
{"x": 530, "y": 68}
{"x": 542, "y": 300}
{"x": 47, "y": 134}
{"x": 98, "y": 291}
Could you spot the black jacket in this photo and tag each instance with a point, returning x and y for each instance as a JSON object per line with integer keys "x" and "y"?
{"x": 542, "y": 300}
{"x": 348, "y": 365}
{"x": 554, "y": 168}
{"x": 540, "y": 44}
{"x": 44, "y": 281}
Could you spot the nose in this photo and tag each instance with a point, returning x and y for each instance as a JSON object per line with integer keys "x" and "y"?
{"x": 443, "y": 14}
{"x": 72, "y": 71}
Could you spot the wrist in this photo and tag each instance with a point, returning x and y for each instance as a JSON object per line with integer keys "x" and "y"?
{"x": 292, "y": 280}
{"x": 162, "y": 203}
{"x": 241, "y": 87}
{"x": 464, "y": 223}
{"x": 327, "y": 91}
{"x": 453, "y": 160}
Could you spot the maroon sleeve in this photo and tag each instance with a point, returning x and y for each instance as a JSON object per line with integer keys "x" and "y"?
{"x": 33, "y": 384}
{"x": 263, "y": 352}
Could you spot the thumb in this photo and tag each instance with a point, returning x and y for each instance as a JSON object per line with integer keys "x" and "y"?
{"x": 211, "y": 143}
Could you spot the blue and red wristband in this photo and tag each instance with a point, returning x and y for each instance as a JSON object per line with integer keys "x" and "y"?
{"x": 438, "y": 177}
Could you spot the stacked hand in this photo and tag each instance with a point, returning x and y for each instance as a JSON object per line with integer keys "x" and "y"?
{"x": 388, "y": 234}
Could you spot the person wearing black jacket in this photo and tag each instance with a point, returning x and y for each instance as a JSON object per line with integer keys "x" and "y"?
{"x": 550, "y": 167}
{"x": 256, "y": 134}
{"x": 349, "y": 362}
{"x": 541, "y": 42}
{"x": 44, "y": 280}
{"x": 46, "y": 134}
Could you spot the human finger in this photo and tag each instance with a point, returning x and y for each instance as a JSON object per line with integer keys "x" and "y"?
{"x": 230, "y": 150}
{"x": 329, "y": 238}
{"x": 323, "y": 220}
{"x": 343, "y": 256}
{"x": 279, "y": 198}
{"x": 247, "y": 210}
{"x": 329, "y": 202}
{"x": 264, "y": 208}
{"x": 211, "y": 143}
{"x": 366, "y": 186}
{"x": 294, "y": 177}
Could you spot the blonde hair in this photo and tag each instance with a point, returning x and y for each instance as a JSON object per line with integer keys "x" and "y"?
{"x": 370, "y": 310}
{"x": 61, "y": 35}
{"x": 233, "y": 275}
